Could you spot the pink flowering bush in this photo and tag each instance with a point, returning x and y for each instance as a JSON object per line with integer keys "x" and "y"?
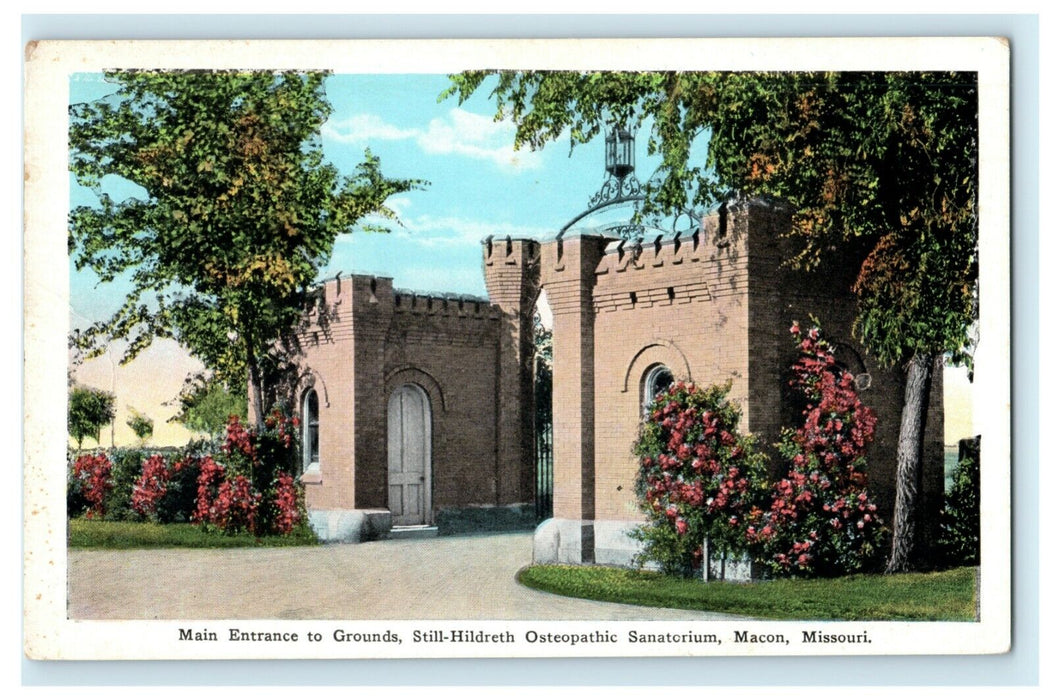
{"x": 166, "y": 490}
{"x": 151, "y": 486}
{"x": 243, "y": 484}
{"x": 228, "y": 503}
{"x": 250, "y": 488}
{"x": 90, "y": 478}
{"x": 286, "y": 501}
{"x": 235, "y": 506}
{"x": 820, "y": 520}
{"x": 699, "y": 477}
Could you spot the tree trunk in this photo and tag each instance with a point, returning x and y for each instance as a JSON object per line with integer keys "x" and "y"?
{"x": 257, "y": 396}
{"x": 909, "y": 463}
{"x": 255, "y": 381}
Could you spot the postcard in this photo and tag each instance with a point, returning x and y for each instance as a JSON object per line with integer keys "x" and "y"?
{"x": 516, "y": 348}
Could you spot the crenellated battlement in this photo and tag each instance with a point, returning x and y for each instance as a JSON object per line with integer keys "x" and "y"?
{"x": 661, "y": 251}
{"x": 509, "y": 251}
{"x": 510, "y": 270}
{"x": 453, "y": 306}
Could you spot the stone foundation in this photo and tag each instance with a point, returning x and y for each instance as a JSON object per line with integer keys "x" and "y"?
{"x": 604, "y": 542}
{"x": 350, "y": 525}
{"x": 607, "y": 543}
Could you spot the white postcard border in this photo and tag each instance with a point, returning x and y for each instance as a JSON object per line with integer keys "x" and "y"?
{"x": 49, "y": 634}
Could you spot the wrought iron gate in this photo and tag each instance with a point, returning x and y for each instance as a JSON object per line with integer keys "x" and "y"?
{"x": 543, "y": 470}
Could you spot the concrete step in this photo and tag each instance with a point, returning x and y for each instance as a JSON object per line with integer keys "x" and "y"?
{"x": 413, "y": 532}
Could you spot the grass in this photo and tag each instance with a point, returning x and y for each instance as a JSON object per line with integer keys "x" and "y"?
{"x": 943, "y": 595}
{"x": 101, "y": 534}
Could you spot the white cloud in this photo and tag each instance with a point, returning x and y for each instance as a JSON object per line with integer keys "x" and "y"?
{"x": 459, "y": 132}
{"x": 364, "y": 128}
{"x": 446, "y": 231}
{"x": 474, "y": 136}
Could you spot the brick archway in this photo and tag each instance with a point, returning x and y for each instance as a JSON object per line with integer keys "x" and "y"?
{"x": 408, "y": 374}
{"x": 660, "y": 352}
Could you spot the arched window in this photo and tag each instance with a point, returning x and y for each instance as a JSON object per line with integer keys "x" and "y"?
{"x": 656, "y": 380}
{"x": 310, "y": 431}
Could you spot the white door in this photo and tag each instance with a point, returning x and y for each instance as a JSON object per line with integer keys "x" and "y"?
{"x": 409, "y": 456}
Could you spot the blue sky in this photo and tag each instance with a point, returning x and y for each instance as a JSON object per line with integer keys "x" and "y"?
{"x": 479, "y": 185}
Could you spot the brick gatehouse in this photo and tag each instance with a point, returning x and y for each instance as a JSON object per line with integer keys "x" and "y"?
{"x": 417, "y": 410}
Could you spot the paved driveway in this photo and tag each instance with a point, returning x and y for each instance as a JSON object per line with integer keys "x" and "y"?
{"x": 443, "y": 578}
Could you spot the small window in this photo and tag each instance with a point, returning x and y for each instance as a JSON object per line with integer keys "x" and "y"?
{"x": 657, "y": 380}
{"x": 310, "y": 431}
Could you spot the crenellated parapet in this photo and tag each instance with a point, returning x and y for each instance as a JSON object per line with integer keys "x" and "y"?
{"x": 441, "y": 305}
{"x": 510, "y": 270}
{"x": 366, "y": 306}
{"x": 698, "y": 265}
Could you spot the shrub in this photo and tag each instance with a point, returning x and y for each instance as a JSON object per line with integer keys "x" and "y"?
{"x": 211, "y": 474}
{"x": 76, "y": 504}
{"x": 820, "y": 520}
{"x": 698, "y": 479}
{"x": 141, "y": 424}
{"x": 959, "y": 541}
{"x": 245, "y": 485}
{"x": 179, "y": 500}
{"x": 285, "y": 500}
{"x": 235, "y": 506}
{"x": 251, "y": 489}
{"x": 151, "y": 486}
{"x": 166, "y": 489}
{"x": 91, "y": 478}
{"x": 276, "y": 448}
{"x": 127, "y": 466}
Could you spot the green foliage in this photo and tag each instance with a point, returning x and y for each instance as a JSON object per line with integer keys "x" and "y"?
{"x": 699, "y": 478}
{"x": 236, "y": 210}
{"x": 76, "y": 503}
{"x": 180, "y": 498}
{"x": 89, "y": 410}
{"x": 141, "y": 424}
{"x": 127, "y": 465}
{"x": 959, "y": 542}
{"x": 206, "y": 403}
{"x": 944, "y": 595}
{"x": 96, "y": 534}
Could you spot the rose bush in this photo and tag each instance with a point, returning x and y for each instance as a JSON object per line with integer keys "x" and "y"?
{"x": 820, "y": 519}
{"x": 91, "y": 478}
{"x": 699, "y": 477}
{"x": 245, "y": 484}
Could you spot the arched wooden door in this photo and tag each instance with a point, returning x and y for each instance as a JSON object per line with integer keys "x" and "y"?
{"x": 409, "y": 456}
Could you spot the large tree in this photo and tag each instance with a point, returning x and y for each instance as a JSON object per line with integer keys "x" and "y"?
{"x": 879, "y": 165}
{"x": 89, "y": 409}
{"x": 234, "y": 213}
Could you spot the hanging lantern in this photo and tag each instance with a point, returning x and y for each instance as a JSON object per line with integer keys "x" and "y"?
{"x": 620, "y": 153}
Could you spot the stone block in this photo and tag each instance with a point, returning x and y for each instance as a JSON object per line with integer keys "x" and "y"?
{"x": 350, "y": 525}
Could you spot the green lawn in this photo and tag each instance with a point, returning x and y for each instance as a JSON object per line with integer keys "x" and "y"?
{"x": 944, "y": 595}
{"x": 100, "y": 534}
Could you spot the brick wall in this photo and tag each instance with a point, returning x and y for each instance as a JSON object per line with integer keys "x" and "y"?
{"x": 378, "y": 339}
{"x": 677, "y": 302}
{"x": 780, "y": 295}
{"x": 510, "y": 269}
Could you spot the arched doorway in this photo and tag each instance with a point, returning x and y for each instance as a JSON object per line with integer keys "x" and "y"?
{"x": 409, "y": 456}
